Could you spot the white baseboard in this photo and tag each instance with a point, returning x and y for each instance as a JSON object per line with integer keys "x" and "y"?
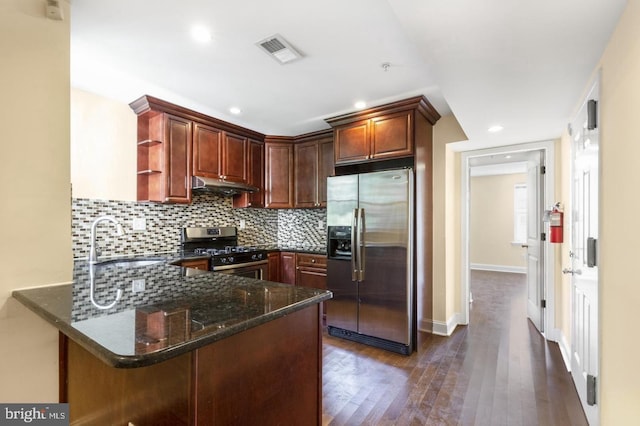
{"x": 499, "y": 268}
{"x": 440, "y": 328}
{"x": 556, "y": 335}
{"x": 565, "y": 350}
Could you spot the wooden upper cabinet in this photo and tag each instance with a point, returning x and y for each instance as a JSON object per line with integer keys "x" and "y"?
{"x": 313, "y": 164}
{"x": 255, "y": 177}
{"x": 306, "y": 174}
{"x": 383, "y": 137}
{"x": 278, "y": 187}
{"x": 164, "y": 152}
{"x": 380, "y": 133}
{"x": 391, "y": 136}
{"x": 175, "y": 143}
{"x": 217, "y": 154}
{"x": 178, "y": 155}
{"x": 352, "y": 143}
{"x": 234, "y": 158}
{"x": 327, "y": 168}
{"x": 207, "y": 147}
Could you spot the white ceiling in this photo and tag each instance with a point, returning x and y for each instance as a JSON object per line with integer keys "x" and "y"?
{"x": 522, "y": 65}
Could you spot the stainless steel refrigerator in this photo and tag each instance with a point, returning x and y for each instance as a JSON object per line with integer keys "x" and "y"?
{"x": 370, "y": 258}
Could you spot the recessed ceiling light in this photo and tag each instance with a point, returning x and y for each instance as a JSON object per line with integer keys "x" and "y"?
{"x": 494, "y": 129}
{"x": 235, "y": 110}
{"x": 360, "y": 104}
{"x": 201, "y": 34}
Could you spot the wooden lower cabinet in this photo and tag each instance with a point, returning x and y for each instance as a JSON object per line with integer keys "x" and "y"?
{"x": 265, "y": 378}
{"x": 311, "y": 271}
{"x": 266, "y": 375}
{"x": 201, "y": 264}
{"x": 288, "y": 268}
{"x": 274, "y": 266}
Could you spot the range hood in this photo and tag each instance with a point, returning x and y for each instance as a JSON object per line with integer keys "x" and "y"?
{"x": 220, "y": 186}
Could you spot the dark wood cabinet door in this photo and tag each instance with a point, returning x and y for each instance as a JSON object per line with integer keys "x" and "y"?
{"x": 311, "y": 278}
{"x": 391, "y": 136}
{"x": 274, "y": 266}
{"x": 201, "y": 264}
{"x": 326, "y": 169}
{"x": 307, "y": 164}
{"x": 178, "y": 159}
{"x": 352, "y": 142}
{"x": 288, "y": 268}
{"x": 311, "y": 271}
{"x": 234, "y": 158}
{"x": 255, "y": 177}
{"x": 207, "y": 144}
{"x": 279, "y": 175}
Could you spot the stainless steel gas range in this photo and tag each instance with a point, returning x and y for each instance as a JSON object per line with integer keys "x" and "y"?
{"x": 226, "y": 256}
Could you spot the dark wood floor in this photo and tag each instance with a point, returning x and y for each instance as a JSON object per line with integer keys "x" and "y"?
{"x": 497, "y": 370}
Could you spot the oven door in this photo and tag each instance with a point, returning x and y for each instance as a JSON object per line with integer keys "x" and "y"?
{"x": 257, "y": 270}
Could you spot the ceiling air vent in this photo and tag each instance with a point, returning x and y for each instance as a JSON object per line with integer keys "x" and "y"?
{"x": 279, "y": 49}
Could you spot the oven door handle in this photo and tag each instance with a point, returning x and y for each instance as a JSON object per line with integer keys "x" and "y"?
{"x": 239, "y": 265}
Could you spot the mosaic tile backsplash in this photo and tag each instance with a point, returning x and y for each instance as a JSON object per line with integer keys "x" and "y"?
{"x": 284, "y": 228}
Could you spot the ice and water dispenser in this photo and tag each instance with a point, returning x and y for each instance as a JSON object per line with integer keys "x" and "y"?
{"x": 339, "y": 242}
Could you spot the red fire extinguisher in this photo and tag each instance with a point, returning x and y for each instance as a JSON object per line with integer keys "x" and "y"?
{"x": 556, "y": 224}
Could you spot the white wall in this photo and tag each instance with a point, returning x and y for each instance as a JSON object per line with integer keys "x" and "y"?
{"x": 103, "y": 148}
{"x": 619, "y": 224}
{"x": 34, "y": 185}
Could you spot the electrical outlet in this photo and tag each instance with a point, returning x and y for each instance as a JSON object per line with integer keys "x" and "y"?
{"x": 137, "y": 285}
{"x": 242, "y": 224}
{"x": 139, "y": 224}
{"x": 321, "y": 224}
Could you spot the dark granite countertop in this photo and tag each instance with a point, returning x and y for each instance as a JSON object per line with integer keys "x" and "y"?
{"x": 140, "y": 315}
{"x": 322, "y": 250}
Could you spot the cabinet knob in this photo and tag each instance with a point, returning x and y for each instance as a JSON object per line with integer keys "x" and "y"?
{"x": 313, "y": 261}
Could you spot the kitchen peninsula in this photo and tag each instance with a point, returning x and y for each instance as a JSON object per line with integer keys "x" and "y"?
{"x": 147, "y": 342}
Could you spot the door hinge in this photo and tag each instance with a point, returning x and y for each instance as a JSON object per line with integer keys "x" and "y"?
{"x": 543, "y": 170}
{"x": 543, "y": 303}
{"x": 592, "y": 116}
{"x": 543, "y": 237}
{"x": 592, "y": 244}
{"x": 591, "y": 389}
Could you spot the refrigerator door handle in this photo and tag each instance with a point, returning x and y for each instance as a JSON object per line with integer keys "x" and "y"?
{"x": 361, "y": 245}
{"x": 354, "y": 243}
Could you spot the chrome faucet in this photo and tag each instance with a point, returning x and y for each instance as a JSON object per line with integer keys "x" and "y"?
{"x": 94, "y": 252}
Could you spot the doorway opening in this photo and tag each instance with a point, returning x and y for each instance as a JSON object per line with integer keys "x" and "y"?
{"x": 533, "y": 160}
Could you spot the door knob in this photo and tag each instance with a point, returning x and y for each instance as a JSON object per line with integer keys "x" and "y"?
{"x": 571, "y": 271}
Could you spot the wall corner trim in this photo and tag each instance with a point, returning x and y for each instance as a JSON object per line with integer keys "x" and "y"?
{"x": 440, "y": 328}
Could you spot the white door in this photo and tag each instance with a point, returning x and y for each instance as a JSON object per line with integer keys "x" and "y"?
{"x": 584, "y": 258}
{"x": 534, "y": 246}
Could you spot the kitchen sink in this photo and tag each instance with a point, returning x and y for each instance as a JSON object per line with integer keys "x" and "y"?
{"x": 133, "y": 262}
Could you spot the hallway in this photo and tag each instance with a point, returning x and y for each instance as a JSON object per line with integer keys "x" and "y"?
{"x": 496, "y": 371}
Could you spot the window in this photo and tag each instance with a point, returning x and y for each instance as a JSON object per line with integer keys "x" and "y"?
{"x": 520, "y": 213}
